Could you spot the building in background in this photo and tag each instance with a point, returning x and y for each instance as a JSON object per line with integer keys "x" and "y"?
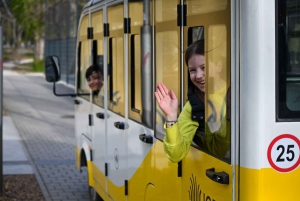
{"x": 61, "y": 20}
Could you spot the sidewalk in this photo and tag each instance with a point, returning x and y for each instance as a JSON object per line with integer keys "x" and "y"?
{"x": 39, "y": 136}
{"x": 15, "y": 159}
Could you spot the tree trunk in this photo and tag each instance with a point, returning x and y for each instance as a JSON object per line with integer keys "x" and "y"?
{"x": 39, "y": 49}
{"x": 18, "y": 40}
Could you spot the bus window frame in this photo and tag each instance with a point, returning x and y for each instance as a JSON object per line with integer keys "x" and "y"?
{"x": 132, "y": 69}
{"x": 110, "y": 64}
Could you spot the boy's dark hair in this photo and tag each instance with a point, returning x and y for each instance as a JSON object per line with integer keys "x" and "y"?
{"x": 93, "y": 68}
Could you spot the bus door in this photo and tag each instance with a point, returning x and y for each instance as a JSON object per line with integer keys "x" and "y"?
{"x": 82, "y": 103}
{"x": 116, "y": 124}
{"x": 98, "y": 111}
{"x": 140, "y": 137}
{"x": 207, "y": 171}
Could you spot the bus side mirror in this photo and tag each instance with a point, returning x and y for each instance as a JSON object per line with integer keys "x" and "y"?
{"x": 52, "y": 74}
{"x": 52, "y": 70}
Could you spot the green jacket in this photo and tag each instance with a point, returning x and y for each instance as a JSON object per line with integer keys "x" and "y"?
{"x": 179, "y": 137}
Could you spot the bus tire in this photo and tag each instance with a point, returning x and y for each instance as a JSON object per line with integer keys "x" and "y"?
{"x": 94, "y": 195}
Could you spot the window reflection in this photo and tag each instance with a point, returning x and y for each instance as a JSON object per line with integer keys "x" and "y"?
{"x": 214, "y": 137}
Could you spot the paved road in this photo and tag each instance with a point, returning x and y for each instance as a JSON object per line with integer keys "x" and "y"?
{"x": 46, "y": 125}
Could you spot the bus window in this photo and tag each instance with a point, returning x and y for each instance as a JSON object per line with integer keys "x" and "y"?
{"x": 135, "y": 78}
{"x": 167, "y": 70}
{"x": 217, "y": 97}
{"x": 84, "y": 55}
{"x": 116, "y": 75}
{"x": 288, "y": 61}
{"x": 217, "y": 93}
{"x": 94, "y": 75}
{"x": 85, "y": 63}
{"x": 99, "y": 100}
{"x": 78, "y": 82}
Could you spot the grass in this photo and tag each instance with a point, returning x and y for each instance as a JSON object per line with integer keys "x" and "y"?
{"x": 35, "y": 66}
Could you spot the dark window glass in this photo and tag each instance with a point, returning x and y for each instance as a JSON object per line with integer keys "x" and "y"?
{"x": 288, "y": 60}
{"x": 135, "y": 78}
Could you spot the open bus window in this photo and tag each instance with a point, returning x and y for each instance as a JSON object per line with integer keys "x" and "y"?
{"x": 217, "y": 93}
{"x": 288, "y": 61}
{"x": 205, "y": 118}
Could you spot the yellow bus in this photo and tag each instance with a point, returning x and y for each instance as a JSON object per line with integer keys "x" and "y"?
{"x": 120, "y": 128}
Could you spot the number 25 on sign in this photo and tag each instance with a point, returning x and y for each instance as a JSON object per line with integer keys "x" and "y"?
{"x": 283, "y": 153}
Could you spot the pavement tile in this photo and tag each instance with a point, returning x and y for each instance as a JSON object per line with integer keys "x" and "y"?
{"x": 38, "y": 138}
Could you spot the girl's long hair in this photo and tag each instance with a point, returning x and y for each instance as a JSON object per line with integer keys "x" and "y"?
{"x": 195, "y": 48}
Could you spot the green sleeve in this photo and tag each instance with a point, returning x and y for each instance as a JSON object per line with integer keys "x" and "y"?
{"x": 179, "y": 137}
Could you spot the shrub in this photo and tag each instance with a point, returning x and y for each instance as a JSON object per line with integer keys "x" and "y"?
{"x": 38, "y": 66}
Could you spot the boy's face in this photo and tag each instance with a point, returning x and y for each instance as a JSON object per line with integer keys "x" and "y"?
{"x": 95, "y": 81}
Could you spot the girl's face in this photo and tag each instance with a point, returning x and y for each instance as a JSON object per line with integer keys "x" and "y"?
{"x": 197, "y": 71}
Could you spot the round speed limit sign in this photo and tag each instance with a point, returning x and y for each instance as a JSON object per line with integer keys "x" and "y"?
{"x": 283, "y": 153}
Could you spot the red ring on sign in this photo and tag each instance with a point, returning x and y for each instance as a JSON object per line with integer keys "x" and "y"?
{"x": 270, "y": 149}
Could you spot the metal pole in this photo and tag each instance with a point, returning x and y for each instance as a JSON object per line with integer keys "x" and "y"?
{"x": 1, "y": 108}
{"x": 146, "y": 66}
{"x": 68, "y": 39}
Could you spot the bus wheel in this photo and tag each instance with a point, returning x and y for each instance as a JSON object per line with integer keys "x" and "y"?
{"x": 92, "y": 192}
{"x": 94, "y": 195}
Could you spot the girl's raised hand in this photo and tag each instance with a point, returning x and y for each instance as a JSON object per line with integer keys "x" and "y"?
{"x": 167, "y": 101}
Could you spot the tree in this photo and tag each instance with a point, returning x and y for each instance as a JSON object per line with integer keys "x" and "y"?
{"x": 29, "y": 15}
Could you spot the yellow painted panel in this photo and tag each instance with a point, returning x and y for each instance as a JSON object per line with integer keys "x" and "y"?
{"x": 98, "y": 177}
{"x": 102, "y": 192}
{"x": 195, "y": 7}
{"x": 115, "y": 15}
{"x": 150, "y": 193}
{"x": 151, "y": 180}
{"x": 136, "y": 13}
{"x": 165, "y": 10}
{"x": 85, "y": 63}
{"x": 144, "y": 175}
{"x": 97, "y": 22}
{"x": 268, "y": 184}
{"x": 83, "y": 26}
{"x": 167, "y": 184}
{"x": 116, "y": 192}
{"x": 90, "y": 173}
{"x": 118, "y": 75}
{"x": 195, "y": 183}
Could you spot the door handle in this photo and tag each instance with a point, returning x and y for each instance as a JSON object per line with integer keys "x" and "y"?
{"x": 146, "y": 138}
{"x": 219, "y": 177}
{"x": 100, "y": 115}
{"x": 77, "y": 102}
{"x": 121, "y": 125}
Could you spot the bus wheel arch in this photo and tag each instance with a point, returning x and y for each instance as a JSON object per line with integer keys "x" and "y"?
{"x": 83, "y": 160}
